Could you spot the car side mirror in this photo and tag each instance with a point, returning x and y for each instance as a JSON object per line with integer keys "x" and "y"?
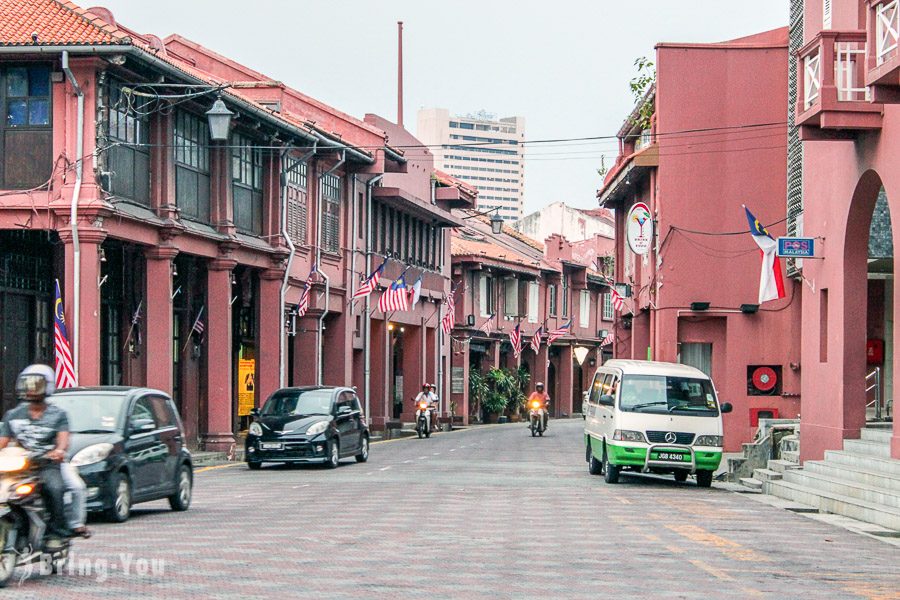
{"x": 607, "y": 400}
{"x": 344, "y": 410}
{"x": 726, "y": 407}
{"x": 254, "y": 412}
{"x": 142, "y": 425}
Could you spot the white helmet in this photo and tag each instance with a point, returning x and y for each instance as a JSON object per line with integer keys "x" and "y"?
{"x": 36, "y": 381}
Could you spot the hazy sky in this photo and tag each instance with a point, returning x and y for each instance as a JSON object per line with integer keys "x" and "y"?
{"x": 563, "y": 65}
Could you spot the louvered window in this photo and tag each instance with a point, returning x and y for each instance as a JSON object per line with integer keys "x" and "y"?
{"x": 297, "y": 205}
{"x": 795, "y": 146}
{"x": 826, "y": 14}
{"x": 246, "y": 184}
{"x": 192, "y": 165}
{"x": 331, "y": 214}
{"x": 128, "y": 158}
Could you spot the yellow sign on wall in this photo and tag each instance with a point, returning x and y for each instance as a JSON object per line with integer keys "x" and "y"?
{"x": 246, "y": 386}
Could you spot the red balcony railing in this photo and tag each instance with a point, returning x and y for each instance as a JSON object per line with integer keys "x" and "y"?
{"x": 833, "y": 92}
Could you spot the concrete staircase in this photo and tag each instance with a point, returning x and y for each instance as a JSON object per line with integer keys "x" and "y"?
{"x": 861, "y": 481}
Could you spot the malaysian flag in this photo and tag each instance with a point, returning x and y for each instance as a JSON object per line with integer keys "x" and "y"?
{"x": 370, "y": 284}
{"x": 303, "y": 304}
{"x": 536, "y": 339}
{"x": 198, "y": 326}
{"x": 609, "y": 339}
{"x": 449, "y": 319}
{"x": 515, "y": 338}
{"x": 559, "y": 332}
{"x": 65, "y": 370}
{"x": 395, "y": 297}
{"x": 488, "y": 326}
{"x": 617, "y": 300}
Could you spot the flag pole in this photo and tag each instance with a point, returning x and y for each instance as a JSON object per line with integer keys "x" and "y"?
{"x": 199, "y": 314}
{"x": 133, "y": 323}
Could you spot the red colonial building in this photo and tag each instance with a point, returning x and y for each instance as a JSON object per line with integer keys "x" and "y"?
{"x": 716, "y": 140}
{"x": 506, "y": 279}
{"x": 182, "y": 256}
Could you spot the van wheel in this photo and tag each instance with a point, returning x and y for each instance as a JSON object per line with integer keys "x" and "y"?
{"x": 610, "y": 471}
{"x": 595, "y": 467}
{"x": 704, "y": 479}
{"x": 680, "y": 476}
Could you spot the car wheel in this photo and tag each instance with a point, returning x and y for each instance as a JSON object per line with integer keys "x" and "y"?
{"x": 334, "y": 454}
{"x": 363, "y": 455}
{"x": 595, "y": 467}
{"x": 704, "y": 478}
{"x": 681, "y": 476}
{"x": 121, "y": 508}
{"x": 610, "y": 471}
{"x": 253, "y": 465}
{"x": 181, "y": 499}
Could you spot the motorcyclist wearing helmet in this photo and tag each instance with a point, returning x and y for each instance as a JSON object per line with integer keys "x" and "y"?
{"x": 541, "y": 396}
{"x": 426, "y": 395}
{"x": 42, "y": 429}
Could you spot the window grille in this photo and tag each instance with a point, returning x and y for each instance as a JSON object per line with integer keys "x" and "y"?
{"x": 331, "y": 194}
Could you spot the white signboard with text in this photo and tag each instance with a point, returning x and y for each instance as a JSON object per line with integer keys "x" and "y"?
{"x": 639, "y": 228}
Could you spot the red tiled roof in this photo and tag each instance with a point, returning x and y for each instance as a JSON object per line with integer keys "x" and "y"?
{"x": 451, "y": 181}
{"x": 56, "y": 22}
{"x": 466, "y": 246}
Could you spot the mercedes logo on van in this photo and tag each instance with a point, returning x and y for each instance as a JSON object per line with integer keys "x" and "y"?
{"x": 671, "y": 437}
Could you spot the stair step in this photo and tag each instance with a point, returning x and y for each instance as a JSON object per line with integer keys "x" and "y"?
{"x": 872, "y": 434}
{"x": 766, "y": 474}
{"x": 792, "y": 456}
{"x": 873, "y": 463}
{"x": 838, "y": 485}
{"x": 750, "y": 482}
{"x": 858, "y": 474}
{"x": 781, "y": 465}
{"x": 868, "y": 448}
{"x": 831, "y": 502}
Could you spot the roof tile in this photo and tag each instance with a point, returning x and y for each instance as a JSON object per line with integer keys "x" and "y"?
{"x": 56, "y": 22}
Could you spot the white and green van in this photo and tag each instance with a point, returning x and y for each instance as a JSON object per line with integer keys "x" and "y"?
{"x": 653, "y": 417}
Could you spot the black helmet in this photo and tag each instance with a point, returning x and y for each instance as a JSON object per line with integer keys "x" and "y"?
{"x": 539, "y": 385}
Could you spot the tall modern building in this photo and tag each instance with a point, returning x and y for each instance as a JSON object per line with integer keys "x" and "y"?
{"x": 481, "y": 150}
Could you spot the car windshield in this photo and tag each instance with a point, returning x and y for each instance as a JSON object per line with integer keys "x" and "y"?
{"x": 91, "y": 413}
{"x": 659, "y": 394}
{"x": 310, "y": 402}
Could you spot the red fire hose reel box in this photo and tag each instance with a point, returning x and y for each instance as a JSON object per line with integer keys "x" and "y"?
{"x": 762, "y": 413}
{"x": 874, "y": 351}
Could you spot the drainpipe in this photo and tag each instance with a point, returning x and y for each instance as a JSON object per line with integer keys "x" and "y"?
{"x": 76, "y": 247}
{"x": 319, "y": 374}
{"x": 289, "y": 242}
{"x": 367, "y": 337}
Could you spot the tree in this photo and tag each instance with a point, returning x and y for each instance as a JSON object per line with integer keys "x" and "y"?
{"x": 640, "y": 84}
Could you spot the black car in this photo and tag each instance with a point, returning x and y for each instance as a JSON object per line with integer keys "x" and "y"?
{"x": 308, "y": 425}
{"x": 128, "y": 446}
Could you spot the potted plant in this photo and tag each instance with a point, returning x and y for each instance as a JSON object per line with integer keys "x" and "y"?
{"x": 478, "y": 392}
{"x": 497, "y": 398}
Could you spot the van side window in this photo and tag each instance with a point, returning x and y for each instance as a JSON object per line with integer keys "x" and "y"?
{"x": 613, "y": 385}
{"x": 606, "y": 384}
{"x": 594, "y": 397}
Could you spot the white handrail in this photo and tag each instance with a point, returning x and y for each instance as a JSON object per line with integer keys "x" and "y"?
{"x": 887, "y": 29}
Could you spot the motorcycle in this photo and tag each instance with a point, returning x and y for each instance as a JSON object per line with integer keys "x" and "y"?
{"x": 23, "y": 517}
{"x": 537, "y": 418}
{"x": 423, "y": 420}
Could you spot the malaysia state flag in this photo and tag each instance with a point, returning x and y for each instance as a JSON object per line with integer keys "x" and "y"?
{"x": 771, "y": 283}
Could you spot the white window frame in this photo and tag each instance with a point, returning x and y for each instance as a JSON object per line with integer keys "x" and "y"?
{"x": 533, "y": 301}
{"x": 584, "y": 308}
{"x": 510, "y": 297}
{"x": 608, "y": 313}
{"x": 483, "y": 300}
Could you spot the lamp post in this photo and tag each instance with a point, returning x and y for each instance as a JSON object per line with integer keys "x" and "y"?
{"x": 496, "y": 220}
{"x": 219, "y": 118}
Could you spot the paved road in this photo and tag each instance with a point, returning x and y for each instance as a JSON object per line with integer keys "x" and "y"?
{"x": 487, "y": 512}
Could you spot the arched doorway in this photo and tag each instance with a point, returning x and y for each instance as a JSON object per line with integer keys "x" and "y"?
{"x": 880, "y": 312}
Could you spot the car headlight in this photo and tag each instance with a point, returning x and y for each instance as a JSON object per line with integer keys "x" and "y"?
{"x": 317, "y": 428}
{"x": 708, "y": 440}
{"x": 626, "y": 435}
{"x": 91, "y": 454}
{"x": 255, "y": 429}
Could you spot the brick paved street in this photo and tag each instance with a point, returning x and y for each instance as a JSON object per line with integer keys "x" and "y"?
{"x": 483, "y": 512}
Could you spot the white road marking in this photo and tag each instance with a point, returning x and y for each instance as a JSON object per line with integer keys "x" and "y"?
{"x": 384, "y": 468}
{"x": 422, "y": 457}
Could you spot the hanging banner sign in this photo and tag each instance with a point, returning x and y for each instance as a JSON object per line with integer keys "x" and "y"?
{"x": 796, "y": 247}
{"x": 639, "y": 228}
{"x": 246, "y": 386}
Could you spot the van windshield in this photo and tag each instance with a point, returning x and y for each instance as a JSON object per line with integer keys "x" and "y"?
{"x": 662, "y": 395}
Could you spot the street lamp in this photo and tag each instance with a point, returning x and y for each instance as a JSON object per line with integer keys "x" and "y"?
{"x": 496, "y": 224}
{"x": 219, "y": 118}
